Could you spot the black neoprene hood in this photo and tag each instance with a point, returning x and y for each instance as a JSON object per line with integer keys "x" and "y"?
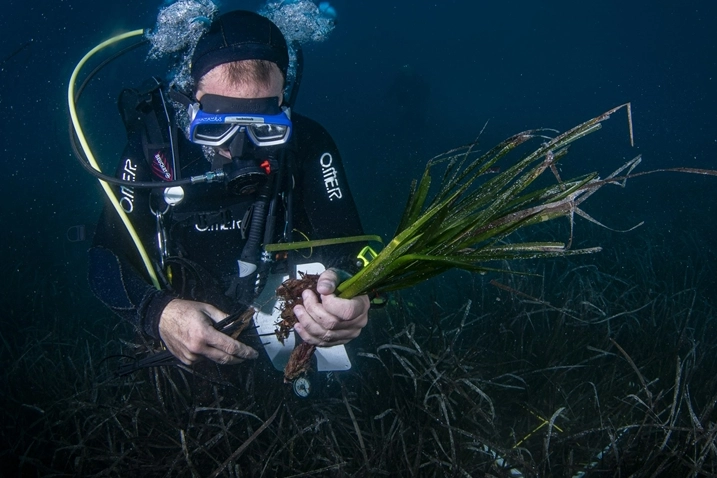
{"x": 239, "y": 35}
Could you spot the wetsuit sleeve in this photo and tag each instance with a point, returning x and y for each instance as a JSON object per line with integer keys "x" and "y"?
{"x": 117, "y": 274}
{"x": 328, "y": 206}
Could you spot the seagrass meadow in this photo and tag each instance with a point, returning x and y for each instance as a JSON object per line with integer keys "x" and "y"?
{"x": 586, "y": 369}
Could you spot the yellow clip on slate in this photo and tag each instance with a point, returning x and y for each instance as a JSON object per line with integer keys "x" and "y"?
{"x": 367, "y": 255}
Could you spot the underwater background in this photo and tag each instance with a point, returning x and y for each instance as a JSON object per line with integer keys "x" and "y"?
{"x": 593, "y": 365}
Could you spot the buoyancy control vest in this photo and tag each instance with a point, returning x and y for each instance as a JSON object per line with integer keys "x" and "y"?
{"x": 146, "y": 111}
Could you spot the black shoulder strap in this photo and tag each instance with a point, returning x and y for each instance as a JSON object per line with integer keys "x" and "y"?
{"x": 135, "y": 104}
{"x": 144, "y": 111}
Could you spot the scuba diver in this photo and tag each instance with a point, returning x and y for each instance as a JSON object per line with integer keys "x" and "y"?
{"x": 282, "y": 180}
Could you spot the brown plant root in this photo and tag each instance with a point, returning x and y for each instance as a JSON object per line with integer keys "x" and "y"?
{"x": 290, "y": 291}
{"x": 299, "y": 361}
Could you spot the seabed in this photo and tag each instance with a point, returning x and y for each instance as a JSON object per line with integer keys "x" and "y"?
{"x": 599, "y": 366}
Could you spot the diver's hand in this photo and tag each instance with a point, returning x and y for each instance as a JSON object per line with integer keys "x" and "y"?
{"x": 331, "y": 321}
{"x": 186, "y": 329}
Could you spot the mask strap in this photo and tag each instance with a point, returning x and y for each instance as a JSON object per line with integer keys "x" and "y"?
{"x": 180, "y": 97}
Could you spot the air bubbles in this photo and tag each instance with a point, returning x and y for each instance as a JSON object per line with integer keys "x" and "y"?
{"x": 301, "y": 20}
{"x": 327, "y": 10}
{"x": 181, "y": 23}
{"x": 179, "y": 26}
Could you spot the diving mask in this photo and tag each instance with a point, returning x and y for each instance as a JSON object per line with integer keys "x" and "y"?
{"x": 217, "y": 120}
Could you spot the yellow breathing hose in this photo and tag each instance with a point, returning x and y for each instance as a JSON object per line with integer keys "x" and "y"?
{"x": 91, "y": 158}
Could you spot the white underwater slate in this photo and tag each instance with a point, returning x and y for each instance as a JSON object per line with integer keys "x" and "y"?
{"x": 267, "y": 316}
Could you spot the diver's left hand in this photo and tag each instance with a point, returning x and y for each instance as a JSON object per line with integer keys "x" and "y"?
{"x": 330, "y": 321}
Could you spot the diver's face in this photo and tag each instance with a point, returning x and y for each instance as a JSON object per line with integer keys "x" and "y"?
{"x": 215, "y": 82}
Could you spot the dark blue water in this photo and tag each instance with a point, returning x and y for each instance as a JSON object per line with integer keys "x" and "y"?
{"x": 397, "y": 83}
{"x": 516, "y": 65}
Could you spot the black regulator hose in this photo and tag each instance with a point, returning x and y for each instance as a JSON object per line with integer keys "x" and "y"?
{"x": 266, "y": 260}
{"x": 250, "y": 253}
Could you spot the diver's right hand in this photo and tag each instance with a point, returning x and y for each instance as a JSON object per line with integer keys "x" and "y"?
{"x": 186, "y": 329}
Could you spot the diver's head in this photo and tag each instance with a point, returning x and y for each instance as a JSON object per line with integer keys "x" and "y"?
{"x": 241, "y": 49}
{"x": 239, "y": 67}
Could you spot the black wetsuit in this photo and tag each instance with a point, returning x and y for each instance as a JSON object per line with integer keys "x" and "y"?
{"x": 205, "y": 230}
